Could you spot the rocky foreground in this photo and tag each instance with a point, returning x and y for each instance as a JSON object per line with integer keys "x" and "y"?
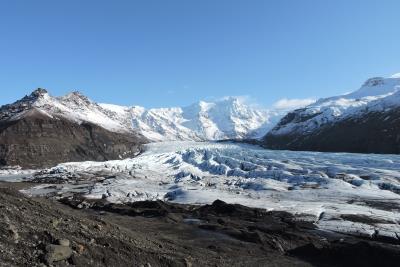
{"x": 73, "y": 232}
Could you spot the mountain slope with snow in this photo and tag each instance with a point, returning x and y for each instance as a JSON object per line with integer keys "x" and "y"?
{"x": 73, "y": 107}
{"x": 367, "y": 120}
{"x": 228, "y": 118}
{"x": 41, "y": 130}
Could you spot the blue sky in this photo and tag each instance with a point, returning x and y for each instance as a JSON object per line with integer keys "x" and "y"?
{"x": 175, "y": 52}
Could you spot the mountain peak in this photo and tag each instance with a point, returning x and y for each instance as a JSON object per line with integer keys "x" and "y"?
{"x": 24, "y": 104}
{"x": 227, "y": 103}
{"x": 77, "y": 97}
{"x": 375, "y": 81}
{"x": 374, "y": 87}
{"x": 232, "y": 100}
{"x": 38, "y": 93}
{"x": 76, "y": 94}
{"x": 395, "y": 76}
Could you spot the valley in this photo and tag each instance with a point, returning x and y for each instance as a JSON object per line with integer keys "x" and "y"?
{"x": 334, "y": 191}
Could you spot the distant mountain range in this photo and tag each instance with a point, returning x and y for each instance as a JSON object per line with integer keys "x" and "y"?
{"x": 228, "y": 118}
{"x": 41, "y": 130}
{"x": 367, "y": 120}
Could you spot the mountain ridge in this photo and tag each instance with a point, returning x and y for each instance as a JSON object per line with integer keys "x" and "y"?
{"x": 365, "y": 120}
{"x": 40, "y": 131}
{"x": 227, "y": 118}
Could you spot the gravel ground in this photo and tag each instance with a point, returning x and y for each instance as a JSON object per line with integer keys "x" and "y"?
{"x": 46, "y": 232}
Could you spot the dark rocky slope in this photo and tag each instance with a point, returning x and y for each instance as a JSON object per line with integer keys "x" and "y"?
{"x": 375, "y": 132}
{"x": 38, "y": 141}
{"x": 168, "y": 234}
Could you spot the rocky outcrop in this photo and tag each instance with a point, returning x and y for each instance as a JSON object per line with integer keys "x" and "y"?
{"x": 33, "y": 138}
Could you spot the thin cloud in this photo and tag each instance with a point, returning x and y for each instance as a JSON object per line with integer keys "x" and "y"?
{"x": 170, "y": 92}
{"x": 291, "y": 104}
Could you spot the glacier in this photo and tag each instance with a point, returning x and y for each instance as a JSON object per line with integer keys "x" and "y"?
{"x": 325, "y": 188}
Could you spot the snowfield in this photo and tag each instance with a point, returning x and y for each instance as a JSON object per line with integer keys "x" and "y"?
{"x": 342, "y": 192}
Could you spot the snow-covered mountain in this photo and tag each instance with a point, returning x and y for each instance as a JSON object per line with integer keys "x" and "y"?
{"x": 40, "y": 130}
{"x": 228, "y": 118}
{"x": 74, "y": 107}
{"x": 366, "y": 120}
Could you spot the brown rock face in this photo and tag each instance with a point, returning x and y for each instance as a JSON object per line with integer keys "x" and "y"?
{"x": 37, "y": 141}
